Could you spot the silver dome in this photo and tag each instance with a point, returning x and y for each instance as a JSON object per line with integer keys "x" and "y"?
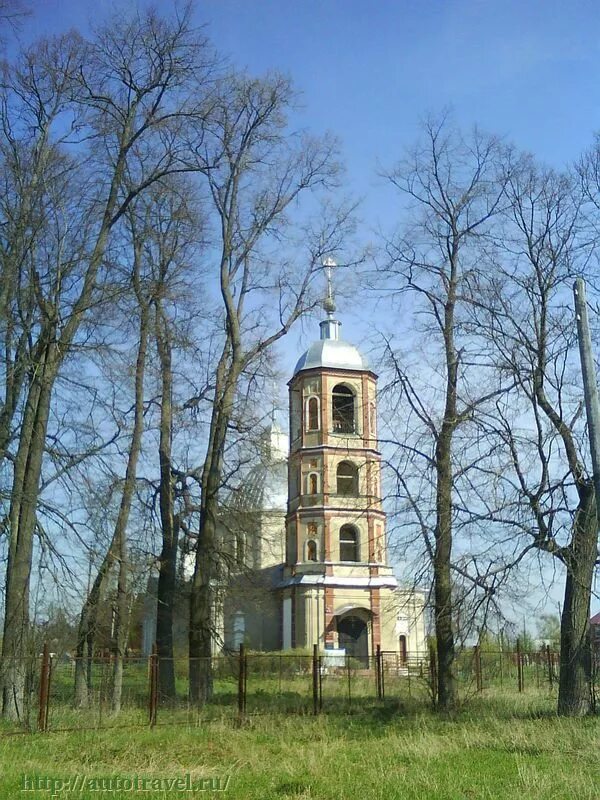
{"x": 331, "y": 351}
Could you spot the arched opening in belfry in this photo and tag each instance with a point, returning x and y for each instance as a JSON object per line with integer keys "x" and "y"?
{"x": 342, "y": 409}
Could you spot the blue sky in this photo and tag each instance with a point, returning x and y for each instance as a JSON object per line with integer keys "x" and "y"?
{"x": 369, "y": 71}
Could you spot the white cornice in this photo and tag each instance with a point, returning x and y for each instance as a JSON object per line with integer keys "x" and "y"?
{"x": 331, "y": 580}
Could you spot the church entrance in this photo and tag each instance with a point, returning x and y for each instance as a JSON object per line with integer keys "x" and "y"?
{"x": 353, "y": 637}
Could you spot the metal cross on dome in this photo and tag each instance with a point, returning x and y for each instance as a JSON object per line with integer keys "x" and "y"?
{"x": 329, "y": 303}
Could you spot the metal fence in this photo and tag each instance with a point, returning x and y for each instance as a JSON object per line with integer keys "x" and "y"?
{"x": 157, "y": 691}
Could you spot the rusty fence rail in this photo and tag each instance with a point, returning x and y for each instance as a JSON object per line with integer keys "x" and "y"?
{"x": 61, "y": 694}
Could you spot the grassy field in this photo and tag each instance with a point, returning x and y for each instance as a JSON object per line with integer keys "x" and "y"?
{"x": 498, "y": 746}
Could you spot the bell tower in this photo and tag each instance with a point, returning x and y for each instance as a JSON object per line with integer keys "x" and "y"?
{"x": 338, "y": 591}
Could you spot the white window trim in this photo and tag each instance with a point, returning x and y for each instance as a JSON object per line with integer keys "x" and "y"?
{"x": 315, "y": 540}
{"x": 307, "y": 484}
{"x": 355, "y": 477}
{"x": 307, "y": 414}
{"x": 357, "y": 544}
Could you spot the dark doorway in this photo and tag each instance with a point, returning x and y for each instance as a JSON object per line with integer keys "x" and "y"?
{"x": 353, "y": 637}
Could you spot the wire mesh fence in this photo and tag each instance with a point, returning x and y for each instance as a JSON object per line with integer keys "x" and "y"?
{"x": 61, "y": 694}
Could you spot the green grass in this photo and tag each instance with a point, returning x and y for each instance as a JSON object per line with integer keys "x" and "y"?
{"x": 498, "y": 745}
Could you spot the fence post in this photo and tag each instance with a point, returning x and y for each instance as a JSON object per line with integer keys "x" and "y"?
{"x": 477, "y": 665}
{"x": 320, "y": 683}
{"x": 520, "y": 681}
{"x": 315, "y": 677}
{"x": 153, "y": 699}
{"x": 349, "y": 680}
{"x": 44, "y": 690}
{"x": 378, "y": 671}
{"x": 594, "y": 672}
{"x": 245, "y": 678}
{"x": 242, "y": 664}
{"x": 550, "y": 670}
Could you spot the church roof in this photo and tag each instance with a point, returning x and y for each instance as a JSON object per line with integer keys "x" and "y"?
{"x": 331, "y": 352}
{"x": 265, "y": 486}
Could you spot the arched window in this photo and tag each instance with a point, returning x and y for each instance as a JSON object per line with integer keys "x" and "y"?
{"x": 347, "y": 479}
{"x": 311, "y": 550}
{"x": 312, "y": 483}
{"x": 342, "y": 409}
{"x": 348, "y": 543}
{"x": 312, "y": 414}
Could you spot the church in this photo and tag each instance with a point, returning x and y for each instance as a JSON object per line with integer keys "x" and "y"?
{"x": 307, "y": 531}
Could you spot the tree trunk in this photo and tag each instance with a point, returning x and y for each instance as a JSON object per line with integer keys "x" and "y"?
{"x": 121, "y": 629}
{"x": 442, "y": 578}
{"x": 22, "y": 515}
{"x": 575, "y": 690}
{"x": 201, "y": 617}
{"x": 120, "y": 535}
{"x": 206, "y": 571}
{"x": 167, "y": 583}
{"x": 168, "y": 558}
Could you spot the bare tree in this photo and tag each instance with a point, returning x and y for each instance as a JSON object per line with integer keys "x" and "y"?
{"x": 455, "y": 189}
{"x": 116, "y": 554}
{"x": 545, "y": 488}
{"x": 255, "y": 171}
{"x": 127, "y": 100}
{"x": 35, "y": 180}
{"x": 172, "y": 252}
